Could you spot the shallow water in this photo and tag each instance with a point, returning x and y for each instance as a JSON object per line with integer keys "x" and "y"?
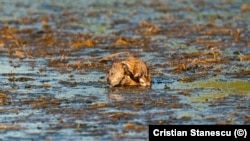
{"x": 54, "y": 88}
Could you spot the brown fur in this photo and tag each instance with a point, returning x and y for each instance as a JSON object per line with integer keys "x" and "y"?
{"x": 130, "y": 71}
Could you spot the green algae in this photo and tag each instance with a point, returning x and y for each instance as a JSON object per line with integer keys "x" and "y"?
{"x": 219, "y": 89}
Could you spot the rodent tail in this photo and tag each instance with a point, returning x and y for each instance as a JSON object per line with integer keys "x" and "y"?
{"x": 114, "y": 55}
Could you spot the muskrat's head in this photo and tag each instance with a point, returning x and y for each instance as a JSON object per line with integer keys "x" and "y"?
{"x": 115, "y": 74}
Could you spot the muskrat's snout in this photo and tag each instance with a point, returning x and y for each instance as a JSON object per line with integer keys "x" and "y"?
{"x": 108, "y": 78}
{"x": 111, "y": 81}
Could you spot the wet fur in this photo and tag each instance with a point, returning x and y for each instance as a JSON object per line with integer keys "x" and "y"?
{"x": 131, "y": 71}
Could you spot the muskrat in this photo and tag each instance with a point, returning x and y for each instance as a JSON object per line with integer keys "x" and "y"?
{"x": 127, "y": 72}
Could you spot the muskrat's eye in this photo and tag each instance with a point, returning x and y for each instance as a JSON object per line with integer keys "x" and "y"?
{"x": 111, "y": 72}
